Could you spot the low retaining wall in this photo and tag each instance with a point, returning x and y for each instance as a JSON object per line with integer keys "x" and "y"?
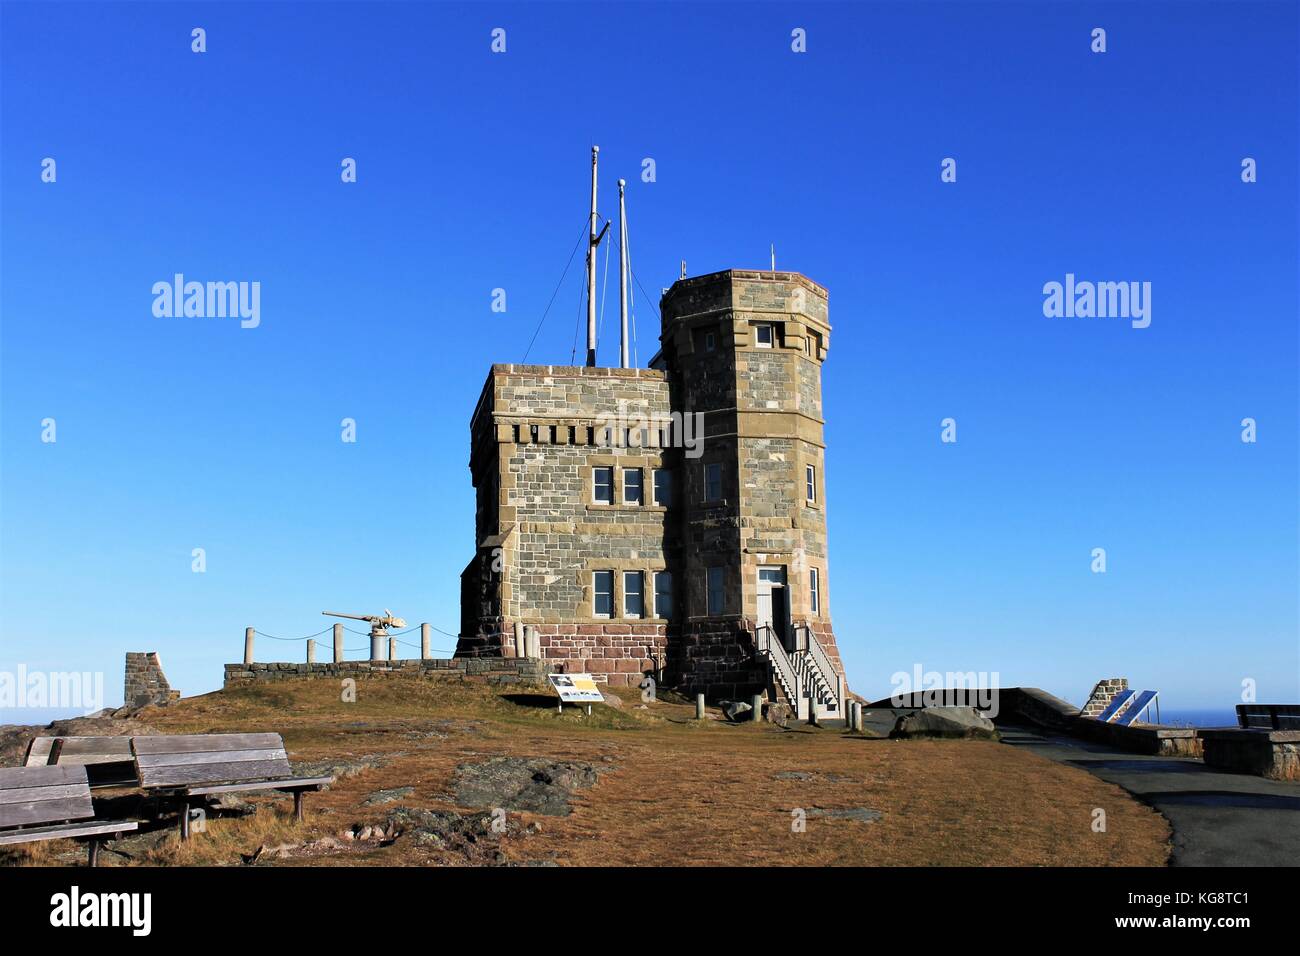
{"x": 1141, "y": 738}
{"x": 485, "y": 670}
{"x": 1269, "y": 753}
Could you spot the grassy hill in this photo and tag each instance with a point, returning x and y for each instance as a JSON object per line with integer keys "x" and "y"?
{"x": 422, "y": 767}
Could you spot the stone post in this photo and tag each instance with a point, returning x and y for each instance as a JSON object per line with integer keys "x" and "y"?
{"x": 521, "y": 647}
{"x": 376, "y": 648}
{"x": 424, "y": 642}
{"x": 812, "y": 710}
{"x": 311, "y": 651}
{"x": 699, "y": 706}
{"x": 532, "y": 643}
{"x": 756, "y": 702}
{"x": 248, "y": 645}
{"x": 338, "y": 643}
{"x": 392, "y": 648}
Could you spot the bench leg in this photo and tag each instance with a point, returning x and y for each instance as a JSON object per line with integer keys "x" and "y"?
{"x": 185, "y": 818}
{"x": 93, "y": 853}
{"x": 297, "y": 805}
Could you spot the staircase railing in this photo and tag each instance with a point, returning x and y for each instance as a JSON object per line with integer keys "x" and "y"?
{"x": 768, "y": 644}
{"x": 817, "y": 668}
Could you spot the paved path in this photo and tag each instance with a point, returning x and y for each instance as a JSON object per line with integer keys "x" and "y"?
{"x": 1218, "y": 818}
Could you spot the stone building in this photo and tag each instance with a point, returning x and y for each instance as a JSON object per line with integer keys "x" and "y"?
{"x": 666, "y": 521}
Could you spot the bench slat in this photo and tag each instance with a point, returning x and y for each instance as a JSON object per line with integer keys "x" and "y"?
{"x": 205, "y": 743}
{"x": 13, "y": 778}
{"x": 46, "y": 811}
{"x": 70, "y": 831}
{"x": 298, "y": 783}
{"x": 83, "y": 750}
{"x": 36, "y": 794}
{"x": 144, "y": 761}
{"x": 235, "y": 772}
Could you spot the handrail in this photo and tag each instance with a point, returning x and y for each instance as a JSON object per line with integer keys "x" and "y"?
{"x": 785, "y": 671}
{"x": 821, "y": 664}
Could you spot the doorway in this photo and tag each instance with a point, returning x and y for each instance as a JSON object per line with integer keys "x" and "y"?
{"x": 773, "y": 603}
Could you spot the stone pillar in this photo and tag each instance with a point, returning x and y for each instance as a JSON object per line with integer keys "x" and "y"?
{"x": 699, "y": 706}
{"x": 532, "y": 643}
{"x": 338, "y": 643}
{"x": 425, "y": 654}
{"x": 812, "y": 710}
{"x": 521, "y": 648}
{"x": 757, "y": 704}
{"x": 311, "y": 651}
{"x": 248, "y": 645}
{"x": 392, "y": 648}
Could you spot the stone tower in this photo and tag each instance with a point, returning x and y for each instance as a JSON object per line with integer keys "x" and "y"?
{"x": 745, "y": 349}
{"x": 666, "y": 521}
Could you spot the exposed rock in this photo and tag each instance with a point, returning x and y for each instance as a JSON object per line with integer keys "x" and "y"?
{"x": 792, "y": 775}
{"x": 864, "y": 814}
{"x": 944, "y": 722}
{"x": 341, "y": 767}
{"x": 467, "y": 837}
{"x": 380, "y": 797}
{"x": 613, "y": 700}
{"x": 536, "y": 785}
{"x": 736, "y": 710}
{"x": 779, "y": 713}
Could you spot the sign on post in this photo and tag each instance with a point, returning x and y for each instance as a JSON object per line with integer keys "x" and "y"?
{"x": 576, "y": 689}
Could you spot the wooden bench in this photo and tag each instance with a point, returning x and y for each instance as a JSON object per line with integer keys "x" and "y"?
{"x": 203, "y": 764}
{"x": 108, "y": 760}
{"x": 46, "y": 803}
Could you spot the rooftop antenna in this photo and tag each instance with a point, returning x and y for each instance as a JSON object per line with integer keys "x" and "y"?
{"x": 683, "y": 268}
{"x": 622, "y": 273}
{"x": 593, "y": 242}
{"x": 774, "y": 257}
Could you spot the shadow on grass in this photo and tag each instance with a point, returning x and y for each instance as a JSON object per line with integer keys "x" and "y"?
{"x": 539, "y": 701}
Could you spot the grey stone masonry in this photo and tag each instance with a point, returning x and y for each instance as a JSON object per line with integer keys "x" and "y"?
{"x": 145, "y": 681}
{"x": 499, "y": 671}
{"x": 1103, "y": 694}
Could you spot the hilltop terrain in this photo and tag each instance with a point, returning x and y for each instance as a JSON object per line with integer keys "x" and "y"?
{"x": 460, "y": 774}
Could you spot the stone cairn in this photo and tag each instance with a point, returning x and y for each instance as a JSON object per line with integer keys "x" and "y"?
{"x": 145, "y": 681}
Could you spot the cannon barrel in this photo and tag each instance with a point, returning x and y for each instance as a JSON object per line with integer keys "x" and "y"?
{"x": 354, "y": 617}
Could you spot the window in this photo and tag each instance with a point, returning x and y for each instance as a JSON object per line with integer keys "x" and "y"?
{"x": 602, "y": 603}
{"x": 715, "y": 591}
{"x": 763, "y": 335}
{"x": 713, "y": 482}
{"x": 710, "y": 341}
{"x": 633, "y": 594}
{"x": 663, "y": 594}
{"x": 810, "y": 480}
{"x": 815, "y": 590}
{"x": 663, "y": 487}
{"x": 631, "y": 486}
{"x": 602, "y": 485}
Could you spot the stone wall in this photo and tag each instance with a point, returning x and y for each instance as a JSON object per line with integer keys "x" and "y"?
{"x": 145, "y": 681}
{"x": 1103, "y": 694}
{"x": 1268, "y": 753}
{"x": 500, "y": 671}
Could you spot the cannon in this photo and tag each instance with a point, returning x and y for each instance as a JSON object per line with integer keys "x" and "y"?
{"x": 379, "y": 625}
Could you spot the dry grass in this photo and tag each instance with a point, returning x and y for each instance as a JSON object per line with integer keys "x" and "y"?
{"x": 682, "y": 792}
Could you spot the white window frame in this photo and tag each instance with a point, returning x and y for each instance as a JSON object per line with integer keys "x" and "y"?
{"x": 640, "y": 486}
{"x": 720, "y": 574}
{"x": 596, "y": 592}
{"x": 815, "y": 590}
{"x": 667, "y": 576}
{"x": 710, "y": 341}
{"x": 595, "y": 485}
{"x": 639, "y": 576}
{"x": 810, "y": 483}
{"x": 771, "y": 335}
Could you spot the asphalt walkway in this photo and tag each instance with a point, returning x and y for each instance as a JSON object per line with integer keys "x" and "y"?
{"x": 1218, "y": 818}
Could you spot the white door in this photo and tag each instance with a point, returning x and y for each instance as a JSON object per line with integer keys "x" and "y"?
{"x": 772, "y": 606}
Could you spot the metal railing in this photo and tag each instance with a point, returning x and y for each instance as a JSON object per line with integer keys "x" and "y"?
{"x": 766, "y": 642}
{"x": 816, "y": 666}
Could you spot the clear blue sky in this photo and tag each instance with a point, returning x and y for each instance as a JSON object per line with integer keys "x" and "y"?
{"x": 1073, "y": 434}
